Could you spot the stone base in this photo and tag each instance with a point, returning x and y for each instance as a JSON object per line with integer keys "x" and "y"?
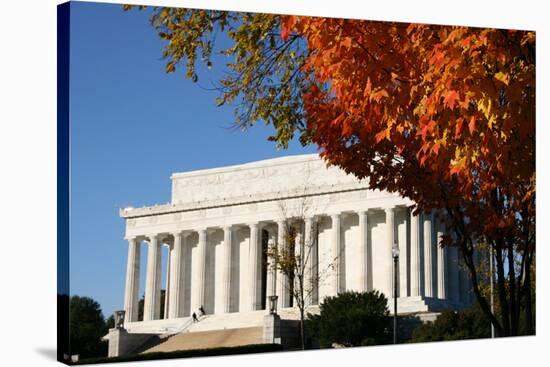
{"x": 282, "y": 328}
{"x": 413, "y": 305}
{"x": 123, "y": 343}
{"x": 272, "y": 329}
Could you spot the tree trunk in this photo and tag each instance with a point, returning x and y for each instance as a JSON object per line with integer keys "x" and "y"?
{"x": 302, "y": 331}
{"x": 468, "y": 260}
{"x": 528, "y": 304}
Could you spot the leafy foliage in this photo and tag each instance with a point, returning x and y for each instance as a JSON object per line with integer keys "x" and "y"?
{"x": 263, "y": 78}
{"x": 352, "y": 319}
{"x": 86, "y": 327}
{"x": 454, "y": 325}
{"x": 443, "y": 115}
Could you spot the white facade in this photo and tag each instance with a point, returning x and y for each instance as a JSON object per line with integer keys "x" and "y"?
{"x": 221, "y": 220}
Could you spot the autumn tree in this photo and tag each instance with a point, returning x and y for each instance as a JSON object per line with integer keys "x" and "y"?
{"x": 443, "y": 115}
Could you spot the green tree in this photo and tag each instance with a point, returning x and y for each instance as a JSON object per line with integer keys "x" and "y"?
{"x": 454, "y": 325}
{"x": 110, "y": 322}
{"x": 86, "y": 327}
{"x": 352, "y": 319}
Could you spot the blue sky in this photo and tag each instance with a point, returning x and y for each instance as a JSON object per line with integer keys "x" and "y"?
{"x": 132, "y": 126}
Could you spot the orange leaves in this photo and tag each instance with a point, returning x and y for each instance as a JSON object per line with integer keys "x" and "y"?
{"x": 378, "y": 95}
{"x": 347, "y": 42}
{"x": 434, "y": 100}
{"x": 472, "y": 125}
{"x": 287, "y": 23}
{"x": 380, "y": 136}
{"x": 451, "y": 98}
{"x": 427, "y": 129}
{"x": 459, "y": 127}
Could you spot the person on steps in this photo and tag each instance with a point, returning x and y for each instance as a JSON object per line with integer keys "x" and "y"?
{"x": 195, "y": 319}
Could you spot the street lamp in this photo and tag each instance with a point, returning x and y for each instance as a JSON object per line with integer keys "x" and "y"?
{"x": 119, "y": 319}
{"x": 395, "y": 255}
{"x": 273, "y": 304}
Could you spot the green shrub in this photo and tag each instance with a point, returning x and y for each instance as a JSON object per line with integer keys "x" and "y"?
{"x": 351, "y": 319}
{"x": 454, "y": 325}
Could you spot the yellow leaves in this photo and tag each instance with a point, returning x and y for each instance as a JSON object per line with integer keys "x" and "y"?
{"x": 528, "y": 38}
{"x": 503, "y": 77}
{"x": 378, "y": 95}
{"x": 485, "y": 106}
{"x": 457, "y": 166}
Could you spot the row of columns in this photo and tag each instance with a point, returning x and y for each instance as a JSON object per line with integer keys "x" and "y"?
{"x": 277, "y": 282}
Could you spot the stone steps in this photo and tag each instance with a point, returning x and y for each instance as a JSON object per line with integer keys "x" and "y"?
{"x": 210, "y": 339}
{"x": 228, "y": 321}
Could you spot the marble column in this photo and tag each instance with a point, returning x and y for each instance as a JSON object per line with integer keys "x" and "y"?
{"x": 415, "y": 255}
{"x": 167, "y": 285}
{"x": 131, "y": 294}
{"x": 441, "y": 262}
{"x": 336, "y": 253}
{"x": 175, "y": 304}
{"x": 309, "y": 261}
{"x": 299, "y": 267}
{"x": 199, "y": 273}
{"x": 151, "y": 307}
{"x": 282, "y": 279}
{"x": 254, "y": 263}
{"x": 388, "y": 258}
{"x": 404, "y": 255}
{"x": 363, "y": 251}
{"x": 428, "y": 265}
{"x": 226, "y": 271}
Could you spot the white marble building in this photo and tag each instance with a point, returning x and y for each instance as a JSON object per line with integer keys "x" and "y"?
{"x": 220, "y": 221}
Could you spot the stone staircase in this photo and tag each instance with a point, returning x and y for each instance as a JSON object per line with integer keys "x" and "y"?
{"x": 228, "y": 321}
{"x": 223, "y": 330}
{"x": 210, "y": 339}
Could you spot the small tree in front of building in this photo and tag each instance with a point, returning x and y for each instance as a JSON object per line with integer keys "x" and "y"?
{"x": 295, "y": 259}
{"x": 352, "y": 319}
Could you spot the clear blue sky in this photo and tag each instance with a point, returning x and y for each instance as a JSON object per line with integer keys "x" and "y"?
{"x": 132, "y": 126}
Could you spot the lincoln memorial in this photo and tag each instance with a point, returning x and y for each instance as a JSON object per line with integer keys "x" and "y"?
{"x": 220, "y": 222}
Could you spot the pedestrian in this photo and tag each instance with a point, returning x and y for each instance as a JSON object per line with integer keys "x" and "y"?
{"x": 201, "y": 309}
{"x": 195, "y": 319}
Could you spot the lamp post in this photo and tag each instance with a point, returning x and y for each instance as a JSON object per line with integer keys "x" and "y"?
{"x": 273, "y": 305}
{"x": 395, "y": 255}
{"x": 119, "y": 319}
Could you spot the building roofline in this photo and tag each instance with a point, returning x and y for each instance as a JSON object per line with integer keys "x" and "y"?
{"x": 271, "y": 162}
